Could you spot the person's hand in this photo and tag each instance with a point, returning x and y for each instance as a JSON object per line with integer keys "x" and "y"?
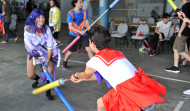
{"x": 183, "y": 14}
{"x": 179, "y": 34}
{"x": 186, "y": 20}
{"x": 180, "y": 15}
{"x": 82, "y": 32}
{"x": 75, "y": 79}
{"x": 39, "y": 59}
{"x": 88, "y": 28}
{"x": 54, "y": 27}
{"x": 160, "y": 36}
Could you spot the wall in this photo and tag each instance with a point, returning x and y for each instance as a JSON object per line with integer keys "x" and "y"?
{"x": 65, "y": 7}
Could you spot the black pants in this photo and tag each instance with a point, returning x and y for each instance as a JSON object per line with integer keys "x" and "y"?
{"x": 154, "y": 41}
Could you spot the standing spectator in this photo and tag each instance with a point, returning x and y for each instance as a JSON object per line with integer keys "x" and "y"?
{"x": 14, "y": 4}
{"x": 29, "y": 7}
{"x": 6, "y": 12}
{"x": 88, "y": 7}
{"x": 180, "y": 41}
{"x": 77, "y": 18}
{"x": 161, "y": 32}
{"x": 185, "y": 19}
{"x": 55, "y": 20}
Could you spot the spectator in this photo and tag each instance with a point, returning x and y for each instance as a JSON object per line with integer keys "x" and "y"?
{"x": 29, "y": 7}
{"x": 7, "y": 11}
{"x": 55, "y": 20}
{"x": 180, "y": 41}
{"x": 185, "y": 19}
{"x": 161, "y": 32}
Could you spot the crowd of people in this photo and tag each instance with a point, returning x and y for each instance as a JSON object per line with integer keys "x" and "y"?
{"x": 42, "y": 42}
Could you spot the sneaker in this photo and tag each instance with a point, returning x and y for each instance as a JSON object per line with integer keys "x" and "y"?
{"x": 153, "y": 53}
{"x": 16, "y": 39}
{"x": 64, "y": 66}
{"x": 146, "y": 46}
{"x": 4, "y": 42}
{"x": 182, "y": 64}
{"x": 80, "y": 51}
{"x": 59, "y": 44}
{"x": 186, "y": 92}
{"x": 35, "y": 84}
{"x": 173, "y": 69}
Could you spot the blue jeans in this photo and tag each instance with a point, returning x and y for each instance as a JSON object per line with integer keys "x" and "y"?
{"x": 7, "y": 31}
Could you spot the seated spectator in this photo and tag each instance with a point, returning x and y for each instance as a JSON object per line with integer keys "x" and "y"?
{"x": 161, "y": 32}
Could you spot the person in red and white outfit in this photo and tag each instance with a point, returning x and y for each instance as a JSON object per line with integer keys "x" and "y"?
{"x": 132, "y": 90}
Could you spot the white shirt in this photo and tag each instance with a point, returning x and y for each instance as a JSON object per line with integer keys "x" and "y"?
{"x": 88, "y": 7}
{"x": 116, "y": 73}
{"x": 164, "y": 28}
{"x": 51, "y": 19}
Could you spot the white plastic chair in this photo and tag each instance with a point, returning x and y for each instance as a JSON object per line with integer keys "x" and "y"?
{"x": 136, "y": 20}
{"x": 150, "y": 20}
{"x": 121, "y": 32}
{"x": 144, "y": 29}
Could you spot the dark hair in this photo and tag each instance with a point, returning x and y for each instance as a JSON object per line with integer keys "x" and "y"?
{"x": 100, "y": 36}
{"x": 31, "y": 20}
{"x": 55, "y": 2}
{"x": 73, "y": 2}
{"x": 166, "y": 15}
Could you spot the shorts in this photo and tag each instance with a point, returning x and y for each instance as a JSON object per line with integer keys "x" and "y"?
{"x": 55, "y": 34}
{"x": 83, "y": 40}
{"x": 179, "y": 43}
{"x": 188, "y": 42}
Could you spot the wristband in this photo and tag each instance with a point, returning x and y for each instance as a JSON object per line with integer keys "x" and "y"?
{"x": 46, "y": 64}
{"x": 75, "y": 76}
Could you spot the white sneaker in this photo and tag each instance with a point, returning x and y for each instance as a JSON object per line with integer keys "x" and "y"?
{"x": 59, "y": 44}
{"x": 186, "y": 92}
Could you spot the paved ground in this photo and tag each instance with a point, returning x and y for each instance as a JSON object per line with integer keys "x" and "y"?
{"x": 15, "y": 87}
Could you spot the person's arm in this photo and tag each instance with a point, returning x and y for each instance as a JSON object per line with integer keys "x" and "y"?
{"x": 56, "y": 17}
{"x": 157, "y": 30}
{"x": 49, "y": 55}
{"x": 85, "y": 5}
{"x": 50, "y": 44}
{"x": 87, "y": 75}
{"x": 3, "y": 10}
{"x": 87, "y": 23}
{"x": 182, "y": 28}
{"x": 187, "y": 20}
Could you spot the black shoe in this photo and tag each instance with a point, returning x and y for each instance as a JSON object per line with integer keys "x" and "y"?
{"x": 48, "y": 93}
{"x": 35, "y": 84}
{"x": 64, "y": 66}
{"x": 49, "y": 96}
{"x": 173, "y": 69}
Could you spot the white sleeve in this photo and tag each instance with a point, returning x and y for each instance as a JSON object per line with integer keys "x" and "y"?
{"x": 158, "y": 24}
{"x": 92, "y": 63}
